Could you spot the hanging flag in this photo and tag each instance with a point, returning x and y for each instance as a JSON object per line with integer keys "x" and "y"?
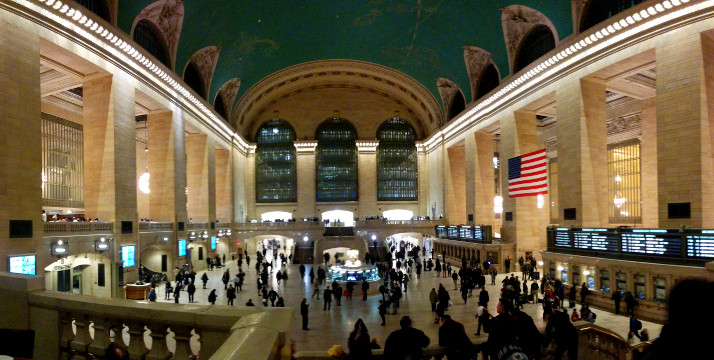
{"x": 527, "y": 175}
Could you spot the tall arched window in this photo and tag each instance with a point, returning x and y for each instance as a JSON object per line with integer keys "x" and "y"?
{"x": 149, "y": 37}
{"x": 99, "y": 7}
{"x": 537, "y": 43}
{"x": 597, "y": 11}
{"x": 489, "y": 80}
{"x": 397, "y": 177}
{"x": 275, "y": 169}
{"x": 336, "y": 161}
{"x": 194, "y": 80}
{"x": 458, "y": 104}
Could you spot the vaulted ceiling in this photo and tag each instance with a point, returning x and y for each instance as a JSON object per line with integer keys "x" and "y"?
{"x": 424, "y": 39}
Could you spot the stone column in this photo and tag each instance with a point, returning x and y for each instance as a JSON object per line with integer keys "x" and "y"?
{"x": 167, "y": 166}
{"x": 250, "y": 191}
{"x": 21, "y": 139}
{"x": 684, "y": 146}
{"x": 110, "y": 183}
{"x": 307, "y": 194}
{"x": 528, "y": 225}
{"x": 224, "y": 208}
{"x": 456, "y": 185}
{"x": 582, "y": 152}
{"x": 238, "y": 169}
{"x": 480, "y": 188}
{"x": 367, "y": 180}
{"x": 648, "y": 161}
{"x": 200, "y": 163}
{"x": 423, "y": 170}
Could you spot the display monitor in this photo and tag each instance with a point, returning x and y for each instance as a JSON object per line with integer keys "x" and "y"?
{"x": 23, "y": 264}
{"x": 213, "y": 243}
{"x": 182, "y": 248}
{"x": 128, "y": 258}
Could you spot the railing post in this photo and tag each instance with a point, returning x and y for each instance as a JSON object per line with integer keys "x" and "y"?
{"x": 82, "y": 339}
{"x": 183, "y": 343}
{"x": 137, "y": 348}
{"x": 102, "y": 338}
{"x": 118, "y": 327}
{"x": 66, "y": 336}
{"x": 159, "y": 350}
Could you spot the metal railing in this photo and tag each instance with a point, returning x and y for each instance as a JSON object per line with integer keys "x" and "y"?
{"x": 196, "y": 226}
{"x": 75, "y": 227}
{"x": 151, "y": 225}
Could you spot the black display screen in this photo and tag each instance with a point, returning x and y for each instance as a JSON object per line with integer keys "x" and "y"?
{"x": 441, "y": 231}
{"x": 660, "y": 242}
{"x": 562, "y": 238}
{"x": 453, "y": 232}
{"x": 595, "y": 239}
{"x": 701, "y": 244}
{"x": 478, "y": 233}
{"x": 466, "y": 233}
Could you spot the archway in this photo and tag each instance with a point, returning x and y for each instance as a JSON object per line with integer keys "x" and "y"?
{"x": 343, "y": 217}
{"x": 81, "y": 274}
{"x": 273, "y": 216}
{"x": 398, "y": 214}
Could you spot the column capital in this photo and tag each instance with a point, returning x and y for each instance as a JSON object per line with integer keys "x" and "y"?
{"x": 305, "y": 146}
{"x": 367, "y": 146}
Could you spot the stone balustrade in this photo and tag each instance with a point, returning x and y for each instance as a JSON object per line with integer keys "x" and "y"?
{"x": 82, "y": 327}
{"x": 373, "y": 224}
{"x": 223, "y": 225}
{"x": 196, "y": 226}
{"x": 77, "y": 227}
{"x": 298, "y": 225}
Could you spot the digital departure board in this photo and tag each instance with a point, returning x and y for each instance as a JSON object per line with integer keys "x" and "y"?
{"x": 466, "y": 233}
{"x": 453, "y": 232}
{"x": 661, "y": 242}
{"x": 562, "y": 237}
{"x": 441, "y": 231}
{"x": 701, "y": 244}
{"x": 478, "y": 233}
{"x": 595, "y": 239}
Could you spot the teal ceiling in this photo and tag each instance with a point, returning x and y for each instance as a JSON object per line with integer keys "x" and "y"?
{"x": 422, "y": 38}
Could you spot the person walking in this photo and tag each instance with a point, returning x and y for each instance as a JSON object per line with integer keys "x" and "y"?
{"x": 152, "y": 294}
{"x": 231, "y": 294}
{"x": 455, "y": 278}
{"x": 350, "y": 289}
{"x": 225, "y": 279}
{"x": 338, "y": 295}
{"x": 303, "y": 312}
{"x": 204, "y": 279}
{"x": 482, "y": 316}
{"x": 405, "y": 343}
{"x": 635, "y": 327}
{"x": 272, "y": 296}
{"x": 365, "y": 287}
{"x": 433, "y": 299}
{"x": 483, "y": 298}
{"x": 382, "y": 308}
{"x": 584, "y": 292}
{"x": 630, "y": 302}
{"x": 191, "y": 289}
{"x": 302, "y": 271}
{"x": 358, "y": 342}
{"x": 572, "y": 296}
{"x": 561, "y": 329}
{"x": 328, "y": 299}
{"x": 617, "y": 297}
{"x": 212, "y": 297}
{"x": 168, "y": 289}
{"x": 534, "y": 291}
{"x": 316, "y": 289}
{"x": 177, "y": 294}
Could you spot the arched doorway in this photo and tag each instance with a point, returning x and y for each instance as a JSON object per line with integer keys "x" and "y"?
{"x": 339, "y": 217}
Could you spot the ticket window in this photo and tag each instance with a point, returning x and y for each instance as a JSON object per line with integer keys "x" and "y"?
{"x": 551, "y": 270}
{"x": 639, "y": 286}
{"x": 621, "y": 279}
{"x": 564, "y": 276}
{"x": 605, "y": 281}
{"x": 576, "y": 276}
{"x": 590, "y": 279}
{"x": 660, "y": 289}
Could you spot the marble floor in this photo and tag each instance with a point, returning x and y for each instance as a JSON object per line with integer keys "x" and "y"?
{"x": 332, "y": 327}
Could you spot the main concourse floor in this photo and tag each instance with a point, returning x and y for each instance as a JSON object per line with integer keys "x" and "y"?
{"x": 332, "y": 327}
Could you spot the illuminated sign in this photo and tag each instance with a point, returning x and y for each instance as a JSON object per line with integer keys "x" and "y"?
{"x": 24, "y": 264}
{"x": 213, "y": 243}
{"x": 182, "y": 248}
{"x": 128, "y": 258}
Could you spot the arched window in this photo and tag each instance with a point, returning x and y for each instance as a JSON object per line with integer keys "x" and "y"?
{"x": 597, "y": 11}
{"x": 336, "y": 161}
{"x": 489, "y": 81}
{"x": 397, "y": 177}
{"x": 220, "y": 107}
{"x": 194, "y": 80}
{"x": 458, "y": 104}
{"x": 275, "y": 169}
{"x": 149, "y": 37}
{"x": 99, "y": 7}
{"x": 538, "y": 42}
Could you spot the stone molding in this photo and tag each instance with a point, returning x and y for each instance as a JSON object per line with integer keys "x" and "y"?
{"x": 477, "y": 60}
{"x": 423, "y": 108}
{"x": 517, "y": 21}
{"x": 447, "y": 90}
{"x": 205, "y": 61}
{"x": 228, "y": 91}
{"x": 167, "y": 15}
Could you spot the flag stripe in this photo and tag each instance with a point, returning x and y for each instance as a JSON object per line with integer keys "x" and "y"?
{"x": 527, "y": 174}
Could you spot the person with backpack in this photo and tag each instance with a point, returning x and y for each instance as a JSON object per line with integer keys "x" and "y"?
{"x": 635, "y": 327}
{"x": 212, "y": 297}
{"x": 204, "y": 279}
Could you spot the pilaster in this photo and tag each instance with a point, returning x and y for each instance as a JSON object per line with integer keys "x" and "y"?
{"x": 306, "y": 194}
{"x": 367, "y": 178}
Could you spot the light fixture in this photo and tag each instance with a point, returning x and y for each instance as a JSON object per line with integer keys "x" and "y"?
{"x": 59, "y": 249}
{"x": 101, "y": 245}
{"x": 618, "y": 178}
{"x": 166, "y": 238}
{"x": 540, "y": 263}
{"x": 560, "y": 268}
{"x": 540, "y": 201}
{"x": 144, "y": 179}
{"x": 374, "y": 237}
{"x": 586, "y": 272}
{"x": 304, "y": 238}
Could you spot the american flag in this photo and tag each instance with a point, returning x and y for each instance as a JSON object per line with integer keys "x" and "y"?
{"x": 527, "y": 175}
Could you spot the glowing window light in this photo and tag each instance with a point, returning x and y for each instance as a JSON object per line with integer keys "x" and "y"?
{"x": 144, "y": 183}
{"x": 498, "y": 204}
{"x": 540, "y": 200}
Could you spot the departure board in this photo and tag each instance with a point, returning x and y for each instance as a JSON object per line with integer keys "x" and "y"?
{"x": 661, "y": 242}
{"x": 453, "y": 232}
{"x": 466, "y": 233}
{"x": 478, "y": 233}
{"x": 441, "y": 231}
{"x": 701, "y": 244}
{"x": 562, "y": 237}
{"x": 595, "y": 239}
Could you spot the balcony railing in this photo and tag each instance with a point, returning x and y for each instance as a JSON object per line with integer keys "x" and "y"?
{"x": 371, "y": 224}
{"x": 196, "y": 226}
{"x": 145, "y": 225}
{"x": 223, "y": 225}
{"x": 88, "y": 327}
{"x": 302, "y": 225}
{"x": 76, "y": 227}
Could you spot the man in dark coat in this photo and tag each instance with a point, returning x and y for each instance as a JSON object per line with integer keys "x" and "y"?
{"x": 365, "y": 287}
{"x": 405, "y": 343}
{"x": 630, "y": 302}
{"x": 453, "y": 337}
{"x": 501, "y": 329}
{"x": 562, "y": 330}
{"x": 617, "y": 297}
{"x": 483, "y": 298}
{"x": 303, "y": 312}
{"x": 328, "y": 299}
